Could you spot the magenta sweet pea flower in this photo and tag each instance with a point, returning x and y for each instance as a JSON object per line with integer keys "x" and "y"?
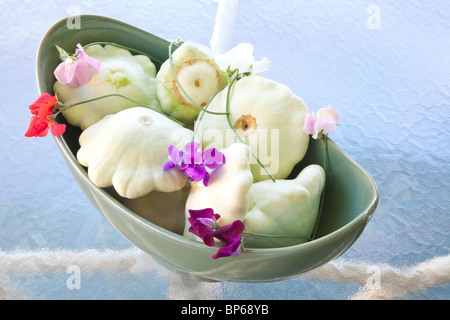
{"x": 203, "y": 222}
{"x": 76, "y": 70}
{"x": 324, "y": 122}
{"x": 231, "y": 236}
{"x": 204, "y": 225}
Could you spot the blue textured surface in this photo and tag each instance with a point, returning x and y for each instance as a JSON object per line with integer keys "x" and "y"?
{"x": 390, "y": 85}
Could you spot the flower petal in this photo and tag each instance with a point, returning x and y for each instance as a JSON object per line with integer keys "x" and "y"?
{"x": 190, "y": 154}
{"x": 212, "y": 158}
{"x": 308, "y": 126}
{"x": 175, "y": 155}
{"x": 84, "y": 56}
{"x": 70, "y": 69}
{"x": 203, "y": 213}
{"x": 58, "y": 129}
{"x": 37, "y": 128}
{"x": 60, "y": 73}
{"x": 202, "y": 222}
{"x": 43, "y": 106}
{"x": 335, "y": 114}
{"x": 169, "y": 165}
{"x": 206, "y": 179}
{"x": 82, "y": 74}
{"x": 196, "y": 173}
{"x": 229, "y": 232}
{"x": 325, "y": 122}
{"x": 233, "y": 248}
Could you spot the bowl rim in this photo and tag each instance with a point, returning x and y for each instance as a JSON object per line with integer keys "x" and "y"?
{"x": 360, "y": 220}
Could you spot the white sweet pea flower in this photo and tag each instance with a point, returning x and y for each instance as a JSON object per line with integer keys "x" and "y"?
{"x": 241, "y": 57}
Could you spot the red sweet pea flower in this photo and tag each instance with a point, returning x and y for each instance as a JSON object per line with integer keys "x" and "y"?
{"x": 41, "y": 121}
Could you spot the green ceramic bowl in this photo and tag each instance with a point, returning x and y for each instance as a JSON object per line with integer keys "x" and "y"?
{"x": 351, "y": 194}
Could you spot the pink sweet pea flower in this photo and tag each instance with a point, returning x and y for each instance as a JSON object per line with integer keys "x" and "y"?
{"x": 324, "y": 122}
{"x": 76, "y": 71}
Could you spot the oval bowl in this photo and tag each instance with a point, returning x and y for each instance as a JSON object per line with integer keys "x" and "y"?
{"x": 351, "y": 194}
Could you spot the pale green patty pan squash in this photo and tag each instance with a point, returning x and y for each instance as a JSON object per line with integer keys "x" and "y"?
{"x": 200, "y": 78}
{"x": 128, "y": 150}
{"x": 267, "y": 116}
{"x": 133, "y": 76}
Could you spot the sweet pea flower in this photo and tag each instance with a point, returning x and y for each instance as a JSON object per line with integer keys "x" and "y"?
{"x": 195, "y": 163}
{"x": 42, "y": 119}
{"x": 212, "y": 158}
{"x": 192, "y": 163}
{"x": 202, "y": 224}
{"x": 231, "y": 236}
{"x": 175, "y": 157}
{"x": 324, "y": 122}
{"x": 75, "y": 70}
{"x": 191, "y": 155}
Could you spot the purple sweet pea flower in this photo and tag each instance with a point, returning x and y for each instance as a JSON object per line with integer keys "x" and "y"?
{"x": 198, "y": 173}
{"x": 212, "y": 158}
{"x": 76, "y": 71}
{"x": 191, "y": 156}
{"x": 202, "y": 223}
{"x": 194, "y": 162}
{"x": 175, "y": 157}
{"x": 230, "y": 235}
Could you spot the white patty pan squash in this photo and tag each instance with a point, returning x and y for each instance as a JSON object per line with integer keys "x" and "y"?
{"x": 286, "y": 207}
{"x": 128, "y": 150}
{"x": 120, "y": 73}
{"x": 227, "y": 191}
{"x": 199, "y": 76}
{"x": 269, "y": 118}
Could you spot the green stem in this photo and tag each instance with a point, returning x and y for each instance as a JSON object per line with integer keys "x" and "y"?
{"x": 202, "y": 113}
{"x": 324, "y": 141}
{"x": 123, "y": 47}
{"x": 66, "y": 107}
{"x": 181, "y": 87}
